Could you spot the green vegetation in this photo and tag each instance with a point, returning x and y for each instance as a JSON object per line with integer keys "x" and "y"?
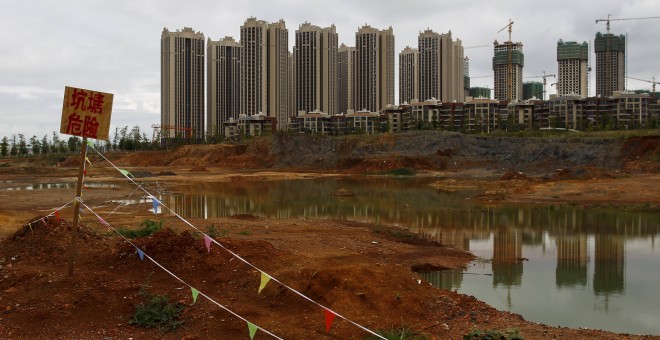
{"x": 400, "y": 333}
{"x": 478, "y": 334}
{"x": 401, "y": 172}
{"x": 245, "y": 232}
{"x": 147, "y": 227}
{"x": 158, "y": 312}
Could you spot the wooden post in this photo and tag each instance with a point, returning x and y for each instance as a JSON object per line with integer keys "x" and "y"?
{"x": 76, "y": 205}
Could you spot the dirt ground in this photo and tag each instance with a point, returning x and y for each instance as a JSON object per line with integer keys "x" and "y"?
{"x": 359, "y": 271}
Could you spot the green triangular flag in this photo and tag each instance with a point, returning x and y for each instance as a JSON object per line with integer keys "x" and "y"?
{"x": 252, "y": 328}
{"x": 264, "y": 280}
{"x": 195, "y": 293}
{"x": 126, "y": 173}
{"x": 90, "y": 143}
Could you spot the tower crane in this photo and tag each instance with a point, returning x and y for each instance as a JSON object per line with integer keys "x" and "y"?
{"x": 607, "y": 21}
{"x": 478, "y": 46}
{"x": 509, "y": 92}
{"x": 653, "y": 82}
{"x": 544, "y": 76}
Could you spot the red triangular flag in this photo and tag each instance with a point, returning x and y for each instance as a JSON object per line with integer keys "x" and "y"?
{"x": 329, "y": 317}
{"x": 57, "y": 214}
{"x": 207, "y": 241}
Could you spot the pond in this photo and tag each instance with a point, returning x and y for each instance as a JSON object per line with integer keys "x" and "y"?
{"x": 562, "y": 265}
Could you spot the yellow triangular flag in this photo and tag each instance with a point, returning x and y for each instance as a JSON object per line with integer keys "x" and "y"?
{"x": 252, "y": 328}
{"x": 87, "y": 160}
{"x": 264, "y": 280}
{"x": 195, "y": 293}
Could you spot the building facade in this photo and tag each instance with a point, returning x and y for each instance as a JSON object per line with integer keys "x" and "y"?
{"x": 610, "y": 63}
{"x": 573, "y": 67}
{"x": 315, "y": 57}
{"x": 508, "y": 63}
{"x": 182, "y": 83}
{"x": 223, "y": 83}
{"x": 345, "y": 78}
{"x": 532, "y": 89}
{"x": 374, "y": 68}
{"x": 408, "y": 75}
{"x": 265, "y": 70}
{"x": 441, "y": 67}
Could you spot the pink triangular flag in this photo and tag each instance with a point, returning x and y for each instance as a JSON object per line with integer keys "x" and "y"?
{"x": 329, "y": 317}
{"x": 207, "y": 242}
{"x": 102, "y": 221}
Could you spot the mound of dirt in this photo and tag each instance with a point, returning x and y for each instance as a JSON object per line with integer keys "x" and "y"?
{"x": 513, "y": 175}
{"x": 199, "y": 168}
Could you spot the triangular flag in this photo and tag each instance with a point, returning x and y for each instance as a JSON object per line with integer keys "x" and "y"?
{"x": 329, "y": 317}
{"x": 264, "y": 280}
{"x": 252, "y": 328}
{"x": 141, "y": 254}
{"x": 195, "y": 293}
{"x": 156, "y": 203}
{"x": 126, "y": 173}
{"x": 90, "y": 144}
{"x": 102, "y": 221}
{"x": 87, "y": 160}
{"x": 207, "y": 242}
{"x": 57, "y": 214}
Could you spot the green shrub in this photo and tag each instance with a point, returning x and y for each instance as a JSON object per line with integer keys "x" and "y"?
{"x": 402, "y": 172}
{"x": 478, "y": 334}
{"x": 147, "y": 227}
{"x": 400, "y": 333}
{"x": 158, "y": 313}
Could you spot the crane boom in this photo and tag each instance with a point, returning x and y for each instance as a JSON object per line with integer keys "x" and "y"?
{"x": 607, "y": 21}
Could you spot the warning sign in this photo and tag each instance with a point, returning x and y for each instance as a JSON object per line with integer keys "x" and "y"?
{"x": 86, "y": 113}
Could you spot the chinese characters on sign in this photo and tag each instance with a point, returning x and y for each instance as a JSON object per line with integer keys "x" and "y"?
{"x": 86, "y": 113}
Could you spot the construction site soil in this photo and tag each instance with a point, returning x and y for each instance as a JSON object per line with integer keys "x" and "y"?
{"x": 364, "y": 273}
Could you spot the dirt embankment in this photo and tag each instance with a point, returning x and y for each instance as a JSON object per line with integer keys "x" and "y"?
{"x": 418, "y": 150}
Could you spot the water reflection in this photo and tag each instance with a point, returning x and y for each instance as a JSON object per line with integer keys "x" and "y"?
{"x": 561, "y": 265}
{"x": 64, "y": 185}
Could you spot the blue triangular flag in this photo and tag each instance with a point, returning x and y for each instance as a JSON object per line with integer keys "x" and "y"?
{"x": 140, "y": 253}
{"x": 156, "y": 203}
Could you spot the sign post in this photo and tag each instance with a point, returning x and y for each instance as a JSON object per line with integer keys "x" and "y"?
{"x": 85, "y": 113}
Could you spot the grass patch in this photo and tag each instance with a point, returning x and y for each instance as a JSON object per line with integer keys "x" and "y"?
{"x": 147, "y": 227}
{"x": 245, "y": 232}
{"x": 4, "y": 165}
{"x": 158, "y": 312}
{"x": 400, "y": 333}
{"x": 401, "y": 172}
{"x": 478, "y": 334}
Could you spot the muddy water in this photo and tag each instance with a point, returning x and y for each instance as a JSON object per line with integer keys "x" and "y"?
{"x": 560, "y": 265}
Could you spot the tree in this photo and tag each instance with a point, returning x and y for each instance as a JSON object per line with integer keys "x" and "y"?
{"x": 45, "y": 148}
{"x": 4, "y": 147}
{"x": 14, "y": 150}
{"x": 22, "y": 145}
{"x": 35, "y": 145}
{"x": 73, "y": 143}
{"x": 55, "y": 145}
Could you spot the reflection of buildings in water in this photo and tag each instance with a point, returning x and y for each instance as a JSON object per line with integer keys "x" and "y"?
{"x": 507, "y": 254}
{"x": 532, "y": 238}
{"x": 445, "y": 279}
{"x": 609, "y": 264}
{"x": 572, "y": 260}
{"x": 459, "y": 238}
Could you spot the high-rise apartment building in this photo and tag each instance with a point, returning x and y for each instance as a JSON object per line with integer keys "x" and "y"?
{"x": 345, "y": 78}
{"x": 441, "y": 67}
{"x": 315, "y": 57}
{"x": 532, "y": 89}
{"x": 573, "y": 65}
{"x": 610, "y": 63}
{"x": 223, "y": 83}
{"x": 508, "y": 62}
{"x": 408, "y": 75}
{"x": 265, "y": 70}
{"x": 374, "y": 68}
{"x": 182, "y": 83}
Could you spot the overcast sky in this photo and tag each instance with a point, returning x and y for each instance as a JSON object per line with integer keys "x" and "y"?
{"x": 114, "y": 45}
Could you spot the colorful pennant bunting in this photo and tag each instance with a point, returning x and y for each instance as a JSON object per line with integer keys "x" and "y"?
{"x": 87, "y": 160}
{"x": 57, "y": 214}
{"x": 264, "y": 280}
{"x": 252, "y": 328}
{"x": 102, "y": 221}
{"x": 207, "y": 242}
{"x": 329, "y": 317}
{"x": 126, "y": 173}
{"x": 195, "y": 293}
{"x": 90, "y": 144}
{"x": 141, "y": 254}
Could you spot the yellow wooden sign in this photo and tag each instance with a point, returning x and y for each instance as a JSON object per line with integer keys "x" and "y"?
{"x": 86, "y": 113}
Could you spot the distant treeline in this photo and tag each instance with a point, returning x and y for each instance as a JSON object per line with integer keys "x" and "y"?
{"x": 123, "y": 139}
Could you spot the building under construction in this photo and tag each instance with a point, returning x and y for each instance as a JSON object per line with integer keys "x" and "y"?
{"x": 610, "y": 63}
{"x": 508, "y": 60}
{"x": 573, "y": 66}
